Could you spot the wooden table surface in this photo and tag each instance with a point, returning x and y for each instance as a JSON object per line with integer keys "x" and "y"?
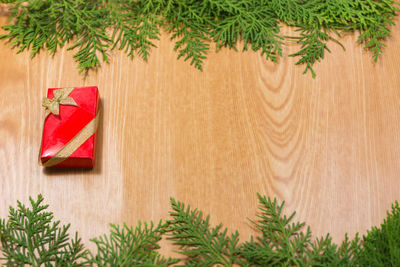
{"x": 329, "y": 146}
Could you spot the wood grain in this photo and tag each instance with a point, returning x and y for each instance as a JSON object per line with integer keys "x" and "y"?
{"x": 329, "y": 146}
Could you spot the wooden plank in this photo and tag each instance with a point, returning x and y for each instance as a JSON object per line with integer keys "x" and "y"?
{"x": 329, "y": 146}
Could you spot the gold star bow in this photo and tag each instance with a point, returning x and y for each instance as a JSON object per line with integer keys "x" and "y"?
{"x": 60, "y": 98}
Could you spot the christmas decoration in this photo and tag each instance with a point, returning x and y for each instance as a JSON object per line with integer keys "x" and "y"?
{"x": 69, "y": 131}
{"x": 30, "y": 236}
{"x": 96, "y": 27}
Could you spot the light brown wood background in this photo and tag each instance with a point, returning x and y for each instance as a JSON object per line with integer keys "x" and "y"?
{"x": 329, "y": 147}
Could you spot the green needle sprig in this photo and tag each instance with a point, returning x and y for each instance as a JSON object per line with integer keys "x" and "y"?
{"x": 203, "y": 245}
{"x": 125, "y": 246}
{"x": 30, "y": 237}
{"x": 95, "y": 27}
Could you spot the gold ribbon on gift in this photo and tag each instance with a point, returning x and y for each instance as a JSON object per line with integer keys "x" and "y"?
{"x": 52, "y": 106}
{"x": 60, "y": 98}
{"x": 75, "y": 143}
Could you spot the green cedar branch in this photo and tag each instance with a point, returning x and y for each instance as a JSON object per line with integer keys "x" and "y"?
{"x": 203, "y": 245}
{"x": 136, "y": 26}
{"x": 381, "y": 245}
{"x": 125, "y": 246}
{"x": 286, "y": 243}
{"x": 30, "y": 237}
{"x": 95, "y": 27}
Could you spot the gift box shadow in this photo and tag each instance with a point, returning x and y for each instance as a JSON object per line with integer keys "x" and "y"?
{"x": 99, "y": 154}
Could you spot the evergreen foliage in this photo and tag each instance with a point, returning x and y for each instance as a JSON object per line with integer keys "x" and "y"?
{"x": 381, "y": 245}
{"x": 203, "y": 245}
{"x": 125, "y": 246}
{"x": 286, "y": 243}
{"x": 31, "y": 237}
{"x": 95, "y": 27}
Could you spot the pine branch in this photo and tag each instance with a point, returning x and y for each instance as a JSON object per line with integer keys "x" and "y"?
{"x": 374, "y": 36}
{"x": 282, "y": 242}
{"x": 381, "y": 245}
{"x": 135, "y": 25}
{"x": 89, "y": 26}
{"x": 203, "y": 245}
{"x": 31, "y": 29}
{"x": 256, "y": 26}
{"x": 318, "y": 19}
{"x": 313, "y": 46}
{"x": 285, "y": 243}
{"x": 188, "y": 22}
{"x": 30, "y": 236}
{"x": 372, "y": 18}
{"x": 51, "y": 24}
{"x": 125, "y": 246}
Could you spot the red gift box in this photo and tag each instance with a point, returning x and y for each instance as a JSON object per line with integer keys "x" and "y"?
{"x": 69, "y": 132}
